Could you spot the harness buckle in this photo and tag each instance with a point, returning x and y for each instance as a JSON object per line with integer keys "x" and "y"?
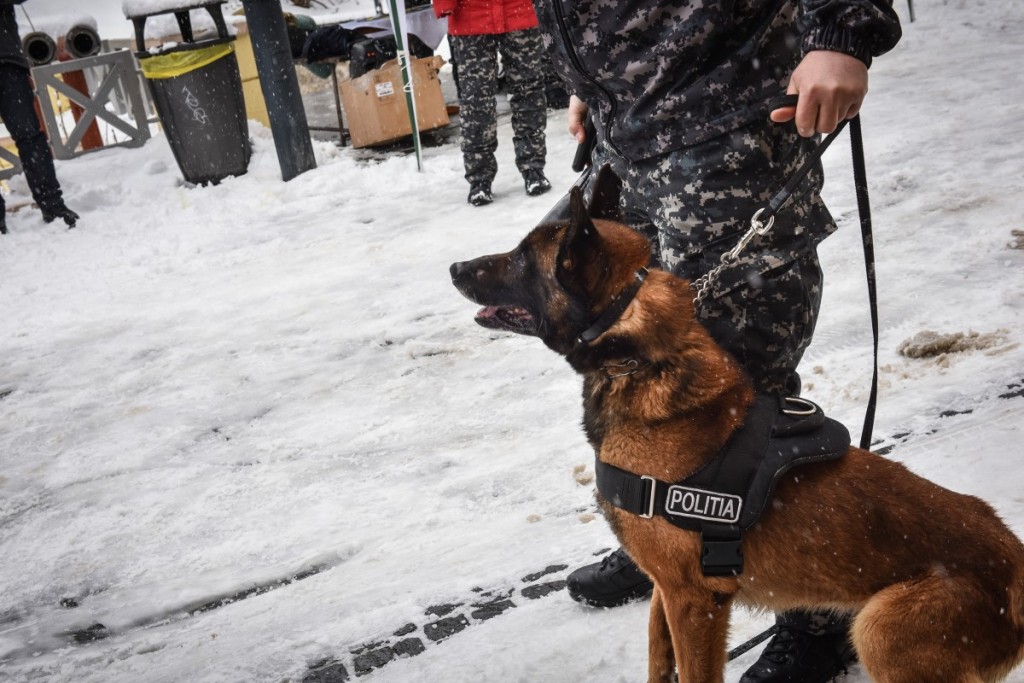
{"x": 721, "y": 553}
{"x": 650, "y": 496}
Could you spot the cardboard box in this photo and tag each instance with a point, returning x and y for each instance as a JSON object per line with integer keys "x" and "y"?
{"x": 375, "y": 106}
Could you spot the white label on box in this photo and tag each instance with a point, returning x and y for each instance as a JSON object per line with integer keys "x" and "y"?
{"x": 384, "y": 89}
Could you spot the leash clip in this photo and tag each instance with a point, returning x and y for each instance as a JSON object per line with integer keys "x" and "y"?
{"x": 757, "y": 228}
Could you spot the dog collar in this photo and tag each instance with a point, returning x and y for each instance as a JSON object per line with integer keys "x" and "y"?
{"x": 615, "y": 309}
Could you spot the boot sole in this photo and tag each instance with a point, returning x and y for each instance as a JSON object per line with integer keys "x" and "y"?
{"x": 634, "y": 594}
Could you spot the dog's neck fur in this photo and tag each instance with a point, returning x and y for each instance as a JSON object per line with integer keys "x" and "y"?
{"x": 696, "y": 399}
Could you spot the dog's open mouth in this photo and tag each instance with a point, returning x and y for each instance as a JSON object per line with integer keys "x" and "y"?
{"x": 509, "y": 318}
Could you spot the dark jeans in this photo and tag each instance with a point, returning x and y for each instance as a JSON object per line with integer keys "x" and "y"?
{"x": 17, "y": 109}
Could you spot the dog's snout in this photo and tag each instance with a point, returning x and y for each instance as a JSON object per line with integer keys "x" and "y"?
{"x": 457, "y": 269}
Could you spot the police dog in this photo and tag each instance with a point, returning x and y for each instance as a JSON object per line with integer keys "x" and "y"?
{"x": 934, "y": 579}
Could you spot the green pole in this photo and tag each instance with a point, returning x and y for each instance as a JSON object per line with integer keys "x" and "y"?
{"x": 398, "y": 26}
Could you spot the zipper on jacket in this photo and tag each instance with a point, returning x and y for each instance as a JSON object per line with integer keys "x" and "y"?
{"x": 578, "y": 65}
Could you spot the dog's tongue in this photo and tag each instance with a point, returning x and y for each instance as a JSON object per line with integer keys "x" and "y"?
{"x": 516, "y": 320}
{"x": 488, "y": 317}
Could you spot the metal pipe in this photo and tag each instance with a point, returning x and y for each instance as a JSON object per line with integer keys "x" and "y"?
{"x": 82, "y": 41}
{"x": 39, "y": 47}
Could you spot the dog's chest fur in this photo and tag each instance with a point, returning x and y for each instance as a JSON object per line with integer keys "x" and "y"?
{"x": 617, "y": 420}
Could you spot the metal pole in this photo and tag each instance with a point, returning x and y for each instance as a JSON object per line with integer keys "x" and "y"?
{"x": 401, "y": 40}
{"x": 280, "y": 86}
{"x": 337, "y": 103}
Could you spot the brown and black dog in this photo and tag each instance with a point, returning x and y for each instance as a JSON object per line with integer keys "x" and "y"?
{"x": 934, "y": 579}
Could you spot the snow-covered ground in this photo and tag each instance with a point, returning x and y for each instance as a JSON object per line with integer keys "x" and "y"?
{"x": 252, "y": 427}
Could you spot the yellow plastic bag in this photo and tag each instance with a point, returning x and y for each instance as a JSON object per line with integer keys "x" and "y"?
{"x": 178, "y": 63}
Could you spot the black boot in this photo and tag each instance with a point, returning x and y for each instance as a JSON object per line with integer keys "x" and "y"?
{"x": 480, "y": 194}
{"x": 3, "y": 223}
{"x": 806, "y": 648}
{"x": 536, "y": 183}
{"x": 57, "y": 210}
{"x": 613, "y": 581}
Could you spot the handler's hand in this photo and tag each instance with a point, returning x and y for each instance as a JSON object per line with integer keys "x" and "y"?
{"x": 577, "y": 116}
{"x": 831, "y": 86}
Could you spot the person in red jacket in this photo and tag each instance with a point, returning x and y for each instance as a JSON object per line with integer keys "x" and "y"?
{"x": 478, "y": 32}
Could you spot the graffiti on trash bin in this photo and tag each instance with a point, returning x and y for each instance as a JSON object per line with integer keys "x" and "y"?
{"x": 192, "y": 102}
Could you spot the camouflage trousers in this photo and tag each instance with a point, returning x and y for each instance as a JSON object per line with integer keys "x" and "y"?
{"x": 476, "y": 57}
{"x": 695, "y": 203}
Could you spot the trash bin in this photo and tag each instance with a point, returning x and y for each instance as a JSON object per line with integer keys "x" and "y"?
{"x": 197, "y": 90}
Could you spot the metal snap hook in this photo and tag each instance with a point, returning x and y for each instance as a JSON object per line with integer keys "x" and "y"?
{"x": 757, "y": 226}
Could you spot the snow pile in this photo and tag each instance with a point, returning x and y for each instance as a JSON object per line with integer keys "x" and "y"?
{"x": 142, "y": 8}
{"x": 58, "y": 26}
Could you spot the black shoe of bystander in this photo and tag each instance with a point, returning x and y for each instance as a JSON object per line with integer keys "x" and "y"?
{"x": 613, "y": 581}
{"x": 51, "y": 212}
{"x": 480, "y": 194}
{"x": 536, "y": 183}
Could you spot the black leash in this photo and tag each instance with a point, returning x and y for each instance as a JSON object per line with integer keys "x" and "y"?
{"x": 860, "y": 180}
{"x": 860, "y": 183}
{"x": 752, "y": 643}
{"x": 765, "y": 217}
{"x": 864, "y": 210}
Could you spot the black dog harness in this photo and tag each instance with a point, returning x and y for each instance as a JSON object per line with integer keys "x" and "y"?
{"x": 726, "y": 496}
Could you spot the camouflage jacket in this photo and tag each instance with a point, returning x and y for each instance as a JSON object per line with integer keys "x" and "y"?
{"x": 664, "y": 74}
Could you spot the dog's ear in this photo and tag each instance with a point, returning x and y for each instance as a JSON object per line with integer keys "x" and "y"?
{"x": 604, "y": 201}
{"x": 580, "y": 243}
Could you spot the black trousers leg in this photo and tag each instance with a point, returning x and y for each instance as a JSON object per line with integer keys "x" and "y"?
{"x": 19, "y": 115}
